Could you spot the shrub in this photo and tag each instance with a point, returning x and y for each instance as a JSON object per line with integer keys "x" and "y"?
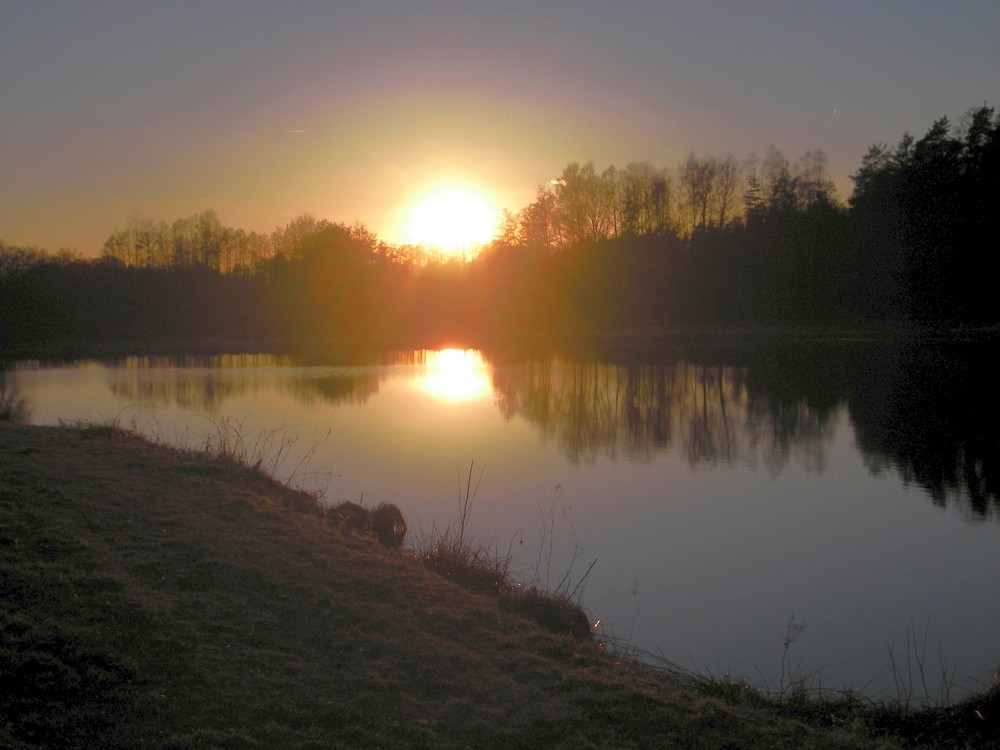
{"x": 385, "y": 521}
{"x": 388, "y": 525}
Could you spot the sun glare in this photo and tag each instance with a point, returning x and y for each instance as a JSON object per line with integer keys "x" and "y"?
{"x": 452, "y": 220}
{"x": 457, "y": 375}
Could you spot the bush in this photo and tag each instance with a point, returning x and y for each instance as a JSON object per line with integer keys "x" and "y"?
{"x": 385, "y": 521}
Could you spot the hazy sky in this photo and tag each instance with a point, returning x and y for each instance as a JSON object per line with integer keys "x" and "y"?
{"x": 348, "y": 110}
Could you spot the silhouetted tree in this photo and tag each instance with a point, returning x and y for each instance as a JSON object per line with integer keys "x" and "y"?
{"x": 593, "y": 250}
{"x": 812, "y": 179}
{"x": 584, "y": 204}
{"x": 924, "y": 217}
{"x": 697, "y": 187}
{"x": 538, "y": 220}
{"x": 727, "y": 180}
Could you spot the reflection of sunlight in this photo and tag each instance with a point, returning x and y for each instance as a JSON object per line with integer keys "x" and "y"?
{"x": 456, "y": 375}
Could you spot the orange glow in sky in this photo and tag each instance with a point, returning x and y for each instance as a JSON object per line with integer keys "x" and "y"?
{"x": 266, "y": 111}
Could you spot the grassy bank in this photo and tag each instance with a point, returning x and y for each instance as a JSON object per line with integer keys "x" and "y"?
{"x": 155, "y": 598}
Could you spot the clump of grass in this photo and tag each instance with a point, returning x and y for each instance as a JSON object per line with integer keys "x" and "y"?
{"x": 971, "y": 723}
{"x": 911, "y": 677}
{"x": 13, "y": 407}
{"x": 463, "y": 559}
{"x": 472, "y": 566}
{"x": 350, "y": 516}
{"x": 926, "y": 716}
{"x": 385, "y": 521}
{"x": 916, "y": 717}
{"x": 555, "y": 612}
{"x": 264, "y": 450}
{"x": 546, "y": 549}
{"x": 108, "y": 428}
{"x": 478, "y": 566}
{"x": 794, "y": 685}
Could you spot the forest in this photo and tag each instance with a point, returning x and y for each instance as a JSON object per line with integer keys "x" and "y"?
{"x": 715, "y": 241}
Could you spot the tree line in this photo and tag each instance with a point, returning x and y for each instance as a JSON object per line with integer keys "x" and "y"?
{"x": 766, "y": 240}
{"x": 705, "y": 192}
{"x": 715, "y": 240}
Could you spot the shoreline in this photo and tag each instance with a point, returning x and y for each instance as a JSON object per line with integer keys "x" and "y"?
{"x": 708, "y": 337}
{"x": 175, "y": 599}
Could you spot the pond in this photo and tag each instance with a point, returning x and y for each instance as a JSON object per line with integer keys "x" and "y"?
{"x": 771, "y": 510}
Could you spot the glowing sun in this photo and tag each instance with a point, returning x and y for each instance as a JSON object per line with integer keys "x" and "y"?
{"x": 452, "y": 220}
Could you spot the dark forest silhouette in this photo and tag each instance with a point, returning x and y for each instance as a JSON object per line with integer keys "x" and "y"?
{"x": 719, "y": 241}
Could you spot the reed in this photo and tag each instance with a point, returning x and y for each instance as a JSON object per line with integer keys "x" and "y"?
{"x": 457, "y": 555}
{"x": 477, "y": 565}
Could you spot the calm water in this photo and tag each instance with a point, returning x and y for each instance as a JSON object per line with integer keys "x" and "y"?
{"x": 847, "y": 488}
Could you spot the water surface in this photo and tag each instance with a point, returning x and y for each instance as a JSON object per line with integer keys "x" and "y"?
{"x": 844, "y": 488}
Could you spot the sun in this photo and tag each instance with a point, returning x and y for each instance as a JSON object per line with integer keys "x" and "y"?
{"x": 452, "y": 220}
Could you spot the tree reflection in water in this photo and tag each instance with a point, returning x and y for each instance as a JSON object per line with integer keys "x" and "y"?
{"x": 927, "y": 410}
{"x": 634, "y": 411}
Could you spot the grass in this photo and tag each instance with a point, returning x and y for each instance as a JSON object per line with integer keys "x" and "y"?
{"x": 972, "y": 723}
{"x": 546, "y": 549}
{"x": 267, "y": 450}
{"x": 456, "y": 555}
{"x": 477, "y": 566}
{"x": 13, "y": 407}
{"x": 161, "y": 598}
{"x": 911, "y": 677}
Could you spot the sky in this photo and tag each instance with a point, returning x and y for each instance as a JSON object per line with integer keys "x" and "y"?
{"x": 350, "y": 111}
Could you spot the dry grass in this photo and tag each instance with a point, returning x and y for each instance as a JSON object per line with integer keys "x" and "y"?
{"x": 457, "y": 555}
{"x": 384, "y": 522}
{"x": 13, "y": 407}
{"x": 157, "y": 598}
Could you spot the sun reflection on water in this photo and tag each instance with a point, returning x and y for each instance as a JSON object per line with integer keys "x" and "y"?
{"x": 457, "y": 375}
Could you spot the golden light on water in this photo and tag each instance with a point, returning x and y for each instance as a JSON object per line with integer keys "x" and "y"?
{"x": 457, "y": 375}
{"x": 452, "y": 220}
